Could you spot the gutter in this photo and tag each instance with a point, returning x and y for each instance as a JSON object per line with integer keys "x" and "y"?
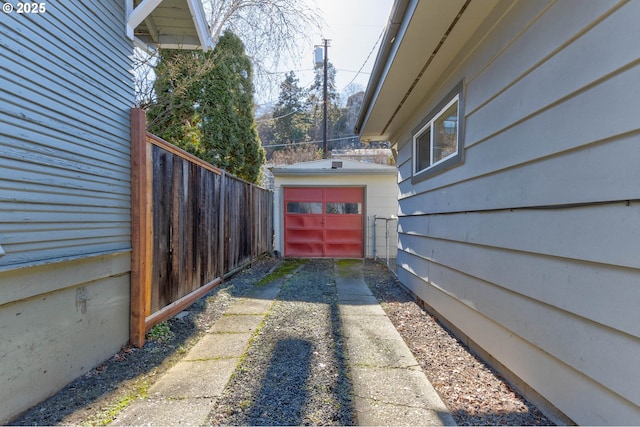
{"x": 396, "y": 26}
{"x": 328, "y": 172}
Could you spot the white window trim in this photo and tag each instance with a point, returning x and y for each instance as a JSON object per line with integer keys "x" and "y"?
{"x": 2, "y": 253}
{"x": 429, "y": 125}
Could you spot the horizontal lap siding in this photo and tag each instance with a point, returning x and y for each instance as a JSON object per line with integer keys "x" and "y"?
{"x": 586, "y": 346}
{"x": 579, "y": 396}
{"x": 537, "y": 232}
{"x": 65, "y": 96}
{"x": 64, "y": 133}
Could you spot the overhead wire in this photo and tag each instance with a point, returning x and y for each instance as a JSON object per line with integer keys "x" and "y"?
{"x": 366, "y": 60}
{"x": 309, "y": 142}
{"x": 346, "y": 86}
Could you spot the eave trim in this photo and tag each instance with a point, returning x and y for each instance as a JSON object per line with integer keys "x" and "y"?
{"x": 329, "y": 172}
{"x": 137, "y": 15}
{"x": 396, "y": 28}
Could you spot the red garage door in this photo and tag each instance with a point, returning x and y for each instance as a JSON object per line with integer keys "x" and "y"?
{"x": 323, "y": 222}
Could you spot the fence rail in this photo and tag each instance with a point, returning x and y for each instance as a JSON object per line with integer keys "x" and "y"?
{"x": 192, "y": 225}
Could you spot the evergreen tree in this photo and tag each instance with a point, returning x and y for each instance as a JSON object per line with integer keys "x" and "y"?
{"x": 172, "y": 116}
{"x": 204, "y": 104}
{"x": 291, "y": 120}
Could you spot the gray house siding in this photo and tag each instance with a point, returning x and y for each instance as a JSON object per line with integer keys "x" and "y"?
{"x": 530, "y": 247}
{"x": 65, "y": 219}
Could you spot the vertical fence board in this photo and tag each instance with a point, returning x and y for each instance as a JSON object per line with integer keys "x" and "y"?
{"x": 202, "y": 225}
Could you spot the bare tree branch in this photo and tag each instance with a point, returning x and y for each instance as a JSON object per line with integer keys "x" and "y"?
{"x": 271, "y": 30}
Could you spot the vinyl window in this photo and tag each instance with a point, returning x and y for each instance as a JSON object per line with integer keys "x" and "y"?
{"x": 437, "y": 141}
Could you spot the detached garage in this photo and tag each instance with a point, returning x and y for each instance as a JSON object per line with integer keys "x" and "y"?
{"x": 328, "y": 209}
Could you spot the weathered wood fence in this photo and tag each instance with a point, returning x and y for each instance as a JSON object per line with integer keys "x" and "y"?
{"x": 192, "y": 225}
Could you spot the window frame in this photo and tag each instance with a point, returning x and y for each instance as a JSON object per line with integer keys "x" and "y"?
{"x": 358, "y": 206}
{"x": 427, "y": 125}
{"x": 310, "y": 206}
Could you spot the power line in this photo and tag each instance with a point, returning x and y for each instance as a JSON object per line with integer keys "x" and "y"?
{"x": 351, "y": 71}
{"x": 270, "y": 119}
{"x": 287, "y": 72}
{"x": 310, "y": 142}
{"x": 304, "y": 87}
{"x": 366, "y": 60}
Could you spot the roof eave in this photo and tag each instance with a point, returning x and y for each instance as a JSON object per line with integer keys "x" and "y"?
{"x": 143, "y": 13}
{"x": 200, "y": 22}
{"x": 430, "y": 37}
{"x": 396, "y": 25}
{"x": 328, "y": 172}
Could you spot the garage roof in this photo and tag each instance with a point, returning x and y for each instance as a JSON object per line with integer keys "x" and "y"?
{"x": 334, "y": 167}
{"x": 169, "y": 24}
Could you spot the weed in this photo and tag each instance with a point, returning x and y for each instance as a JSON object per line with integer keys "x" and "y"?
{"x": 348, "y": 262}
{"x": 109, "y": 413}
{"x": 348, "y": 267}
{"x": 286, "y": 267}
{"x": 160, "y": 333}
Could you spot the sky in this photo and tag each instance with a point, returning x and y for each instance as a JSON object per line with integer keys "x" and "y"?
{"x": 354, "y": 29}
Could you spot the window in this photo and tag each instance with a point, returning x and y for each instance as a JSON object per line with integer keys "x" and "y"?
{"x": 304, "y": 207}
{"x": 437, "y": 140}
{"x": 344, "y": 208}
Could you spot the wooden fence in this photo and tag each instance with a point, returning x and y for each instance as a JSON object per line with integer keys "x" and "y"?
{"x": 192, "y": 225}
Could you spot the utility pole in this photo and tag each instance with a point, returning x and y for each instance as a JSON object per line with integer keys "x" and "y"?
{"x": 325, "y": 153}
{"x": 323, "y": 60}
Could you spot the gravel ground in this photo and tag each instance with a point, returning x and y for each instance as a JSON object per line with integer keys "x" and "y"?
{"x": 295, "y": 371}
{"x": 474, "y": 393}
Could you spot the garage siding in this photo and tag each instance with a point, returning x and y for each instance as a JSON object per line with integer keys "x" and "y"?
{"x": 530, "y": 247}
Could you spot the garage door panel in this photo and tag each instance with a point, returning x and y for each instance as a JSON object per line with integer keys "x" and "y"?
{"x": 343, "y": 222}
{"x": 324, "y": 222}
{"x": 304, "y": 221}
{"x": 340, "y": 194}
{"x": 342, "y": 236}
{"x": 306, "y": 235}
{"x": 333, "y": 250}
{"x": 304, "y": 249}
{"x": 303, "y": 194}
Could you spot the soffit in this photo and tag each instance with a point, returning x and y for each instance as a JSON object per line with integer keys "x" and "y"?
{"x": 171, "y": 24}
{"x": 434, "y": 35}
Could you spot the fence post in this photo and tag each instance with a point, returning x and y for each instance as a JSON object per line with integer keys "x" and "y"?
{"x": 141, "y": 227}
{"x": 222, "y": 230}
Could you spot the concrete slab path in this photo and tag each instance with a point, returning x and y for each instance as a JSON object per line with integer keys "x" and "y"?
{"x": 185, "y": 394}
{"x": 389, "y": 387}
